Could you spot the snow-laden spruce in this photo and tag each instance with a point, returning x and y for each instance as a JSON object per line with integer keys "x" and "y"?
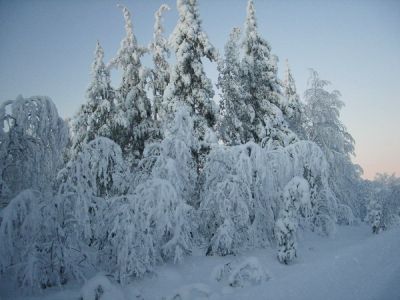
{"x": 133, "y": 123}
{"x": 296, "y": 194}
{"x": 189, "y": 84}
{"x": 161, "y": 70}
{"x": 32, "y": 141}
{"x": 293, "y": 108}
{"x": 263, "y": 120}
{"x": 94, "y": 117}
{"x": 232, "y": 107}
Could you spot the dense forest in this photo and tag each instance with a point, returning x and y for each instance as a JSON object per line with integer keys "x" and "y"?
{"x": 151, "y": 169}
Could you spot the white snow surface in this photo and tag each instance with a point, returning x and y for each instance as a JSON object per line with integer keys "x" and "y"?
{"x": 352, "y": 264}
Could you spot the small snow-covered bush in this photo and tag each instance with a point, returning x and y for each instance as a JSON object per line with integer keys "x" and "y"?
{"x": 241, "y": 272}
{"x": 100, "y": 288}
{"x": 248, "y": 272}
{"x": 196, "y": 291}
{"x": 38, "y": 248}
{"x": 295, "y": 194}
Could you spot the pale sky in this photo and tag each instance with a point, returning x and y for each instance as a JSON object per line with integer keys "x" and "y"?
{"x": 46, "y": 48}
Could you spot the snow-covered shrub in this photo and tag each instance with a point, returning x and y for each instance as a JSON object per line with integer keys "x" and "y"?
{"x": 345, "y": 215}
{"x": 198, "y": 291}
{"x": 383, "y": 209}
{"x": 374, "y": 215}
{"x": 100, "y": 288}
{"x": 241, "y": 195}
{"x": 226, "y": 200}
{"x": 154, "y": 222}
{"x": 37, "y": 246}
{"x": 221, "y": 272}
{"x": 248, "y": 272}
{"x": 129, "y": 250}
{"x": 295, "y": 194}
{"x": 32, "y": 141}
{"x": 164, "y": 214}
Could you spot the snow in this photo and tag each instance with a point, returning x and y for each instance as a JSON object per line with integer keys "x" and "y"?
{"x": 353, "y": 264}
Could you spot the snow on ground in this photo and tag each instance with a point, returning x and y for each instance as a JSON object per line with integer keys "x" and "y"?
{"x": 352, "y": 264}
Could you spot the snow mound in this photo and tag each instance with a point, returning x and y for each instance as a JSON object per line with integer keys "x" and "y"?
{"x": 100, "y": 288}
{"x": 195, "y": 291}
{"x": 247, "y": 272}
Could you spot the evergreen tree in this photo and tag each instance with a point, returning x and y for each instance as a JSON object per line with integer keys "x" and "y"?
{"x": 295, "y": 194}
{"x": 293, "y": 109}
{"x": 160, "y": 51}
{"x": 189, "y": 84}
{"x": 230, "y": 125}
{"x": 263, "y": 120}
{"x": 93, "y": 119}
{"x": 133, "y": 125}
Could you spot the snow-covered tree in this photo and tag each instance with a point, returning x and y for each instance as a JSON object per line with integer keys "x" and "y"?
{"x": 160, "y": 51}
{"x": 326, "y": 129}
{"x": 226, "y": 202}
{"x": 263, "y": 120}
{"x": 39, "y": 246}
{"x": 189, "y": 84}
{"x": 293, "y": 109}
{"x": 295, "y": 194}
{"x": 154, "y": 222}
{"x": 133, "y": 124}
{"x": 32, "y": 141}
{"x": 96, "y": 174}
{"x": 93, "y": 118}
{"x": 383, "y": 208}
{"x": 232, "y": 104}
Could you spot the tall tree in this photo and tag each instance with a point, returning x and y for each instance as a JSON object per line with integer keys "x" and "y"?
{"x": 133, "y": 123}
{"x": 32, "y": 141}
{"x": 264, "y": 121}
{"x": 325, "y": 128}
{"x": 294, "y": 109}
{"x": 189, "y": 84}
{"x": 159, "y": 50}
{"x": 93, "y": 119}
{"x": 230, "y": 124}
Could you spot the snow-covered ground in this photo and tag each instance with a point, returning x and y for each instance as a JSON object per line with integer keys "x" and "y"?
{"x": 352, "y": 264}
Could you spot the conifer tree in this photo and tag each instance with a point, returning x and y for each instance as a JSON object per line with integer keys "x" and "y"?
{"x": 93, "y": 119}
{"x": 230, "y": 125}
{"x": 264, "y": 122}
{"x": 160, "y": 51}
{"x": 293, "y": 109}
{"x": 189, "y": 84}
{"x": 133, "y": 123}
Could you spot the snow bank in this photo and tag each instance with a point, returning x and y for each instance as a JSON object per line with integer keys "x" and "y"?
{"x": 100, "y": 288}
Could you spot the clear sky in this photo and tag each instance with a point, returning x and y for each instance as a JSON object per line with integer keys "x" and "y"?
{"x": 46, "y": 48}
